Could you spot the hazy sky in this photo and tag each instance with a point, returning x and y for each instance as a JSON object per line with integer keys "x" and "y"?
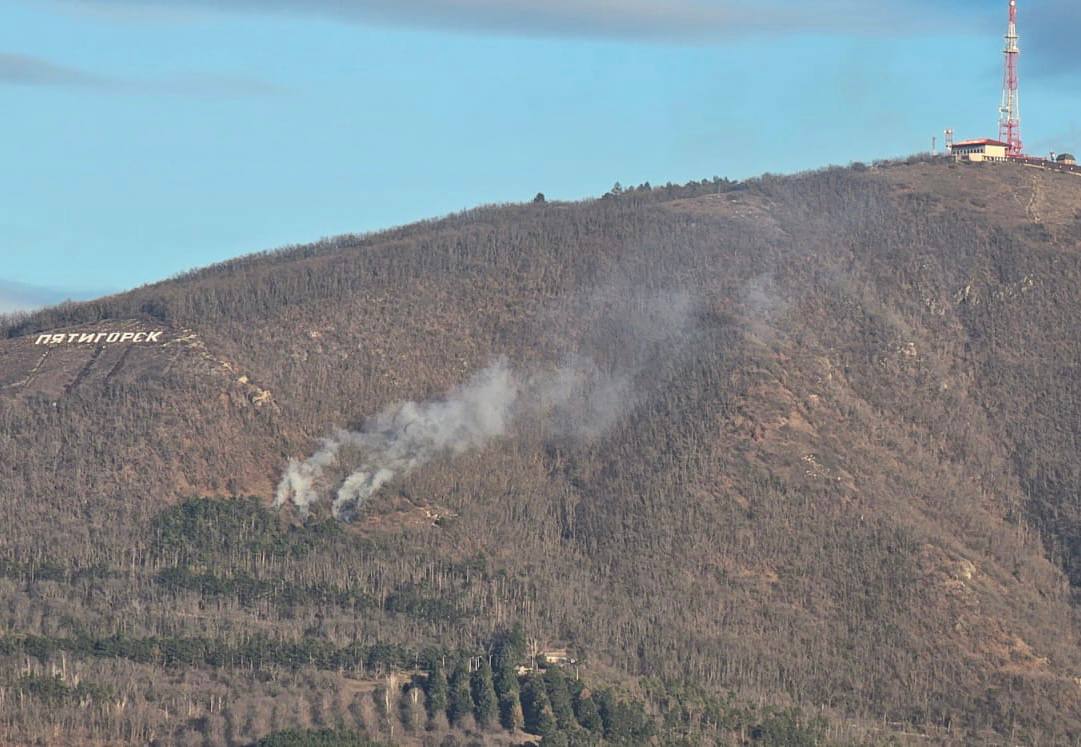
{"x": 144, "y": 137}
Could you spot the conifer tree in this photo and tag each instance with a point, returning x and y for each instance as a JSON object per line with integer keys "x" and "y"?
{"x": 509, "y": 650}
{"x": 505, "y": 676}
{"x": 436, "y": 691}
{"x": 555, "y": 682}
{"x": 510, "y": 711}
{"x": 586, "y": 713}
{"x": 485, "y": 703}
{"x": 536, "y": 708}
{"x": 460, "y": 701}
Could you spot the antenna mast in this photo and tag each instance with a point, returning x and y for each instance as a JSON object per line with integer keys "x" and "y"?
{"x": 1009, "y": 120}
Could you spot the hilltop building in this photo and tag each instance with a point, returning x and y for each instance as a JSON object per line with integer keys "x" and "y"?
{"x": 977, "y": 151}
{"x": 1066, "y": 159}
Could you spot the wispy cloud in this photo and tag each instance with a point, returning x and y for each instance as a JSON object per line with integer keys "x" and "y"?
{"x": 1050, "y": 28}
{"x": 207, "y": 85}
{"x": 17, "y": 69}
{"x": 22, "y": 297}
{"x": 675, "y": 20}
{"x": 26, "y": 70}
{"x": 1051, "y": 36}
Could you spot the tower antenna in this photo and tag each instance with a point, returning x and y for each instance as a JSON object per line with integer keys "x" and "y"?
{"x": 1009, "y": 119}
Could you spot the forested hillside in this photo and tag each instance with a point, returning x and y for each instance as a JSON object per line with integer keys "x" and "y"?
{"x": 814, "y": 478}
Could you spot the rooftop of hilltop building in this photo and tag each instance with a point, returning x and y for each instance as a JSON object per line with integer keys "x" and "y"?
{"x": 979, "y": 141}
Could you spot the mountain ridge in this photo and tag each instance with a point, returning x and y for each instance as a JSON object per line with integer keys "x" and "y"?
{"x": 841, "y": 480}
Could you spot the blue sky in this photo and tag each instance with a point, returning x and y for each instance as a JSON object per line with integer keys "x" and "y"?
{"x": 144, "y": 137}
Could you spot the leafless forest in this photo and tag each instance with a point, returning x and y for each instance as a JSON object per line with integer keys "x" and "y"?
{"x": 834, "y": 499}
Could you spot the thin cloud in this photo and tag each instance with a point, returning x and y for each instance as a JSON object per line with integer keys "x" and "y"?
{"x": 23, "y": 70}
{"x": 1049, "y": 37}
{"x": 672, "y": 20}
{"x": 26, "y": 70}
{"x": 22, "y": 297}
{"x": 1049, "y": 32}
{"x": 210, "y": 86}
{"x": 1049, "y": 28}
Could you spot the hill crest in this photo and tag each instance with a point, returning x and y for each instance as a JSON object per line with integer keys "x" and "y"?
{"x": 842, "y": 484}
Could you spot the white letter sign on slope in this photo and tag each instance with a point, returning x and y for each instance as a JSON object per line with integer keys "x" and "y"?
{"x": 95, "y": 338}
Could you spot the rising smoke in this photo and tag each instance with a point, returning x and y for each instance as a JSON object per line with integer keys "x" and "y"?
{"x": 575, "y": 399}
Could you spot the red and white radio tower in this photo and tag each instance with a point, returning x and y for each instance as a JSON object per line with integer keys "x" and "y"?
{"x": 1009, "y": 120}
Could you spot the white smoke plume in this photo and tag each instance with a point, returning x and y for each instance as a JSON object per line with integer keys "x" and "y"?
{"x": 576, "y": 399}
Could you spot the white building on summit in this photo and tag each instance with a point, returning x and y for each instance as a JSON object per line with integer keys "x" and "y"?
{"x": 976, "y": 151}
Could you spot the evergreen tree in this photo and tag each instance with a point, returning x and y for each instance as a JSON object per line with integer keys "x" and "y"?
{"x": 606, "y": 709}
{"x": 436, "y": 691}
{"x": 555, "y": 682}
{"x": 505, "y": 676}
{"x": 585, "y": 711}
{"x": 460, "y": 703}
{"x": 509, "y": 650}
{"x": 510, "y": 711}
{"x": 536, "y": 708}
{"x": 485, "y": 703}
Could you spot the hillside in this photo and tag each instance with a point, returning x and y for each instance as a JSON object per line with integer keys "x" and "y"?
{"x": 790, "y": 460}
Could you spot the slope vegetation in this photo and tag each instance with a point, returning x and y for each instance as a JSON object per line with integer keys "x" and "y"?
{"x": 838, "y": 478}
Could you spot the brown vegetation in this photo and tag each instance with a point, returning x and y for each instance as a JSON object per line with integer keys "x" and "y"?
{"x": 849, "y": 486}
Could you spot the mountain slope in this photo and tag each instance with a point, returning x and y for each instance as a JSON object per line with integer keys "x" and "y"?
{"x": 838, "y": 473}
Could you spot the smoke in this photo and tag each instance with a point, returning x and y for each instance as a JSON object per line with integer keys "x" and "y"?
{"x": 577, "y": 398}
